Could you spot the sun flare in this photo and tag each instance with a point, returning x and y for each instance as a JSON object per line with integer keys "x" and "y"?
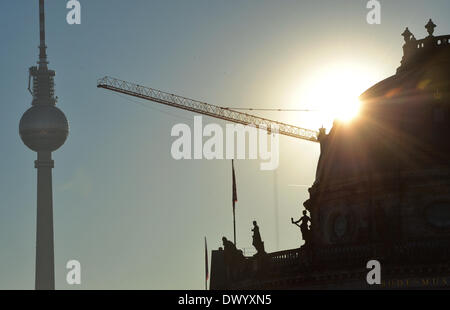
{"x": 333, "y": 94}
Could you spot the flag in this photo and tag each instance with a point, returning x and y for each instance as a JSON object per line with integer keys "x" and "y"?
{"x": 234, "y": 185}
{"x": 206, "y": 266}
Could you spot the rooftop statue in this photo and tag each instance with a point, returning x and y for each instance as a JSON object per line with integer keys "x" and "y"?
{"x": 257, "y": 241}
{"x": 304, "y": 227}
{"x": 234, "y": 258}
{"x": 229, "y": 246}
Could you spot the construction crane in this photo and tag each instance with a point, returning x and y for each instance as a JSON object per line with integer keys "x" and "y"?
{"x": 227, "y": 114}
{"x": 203, "y": 108}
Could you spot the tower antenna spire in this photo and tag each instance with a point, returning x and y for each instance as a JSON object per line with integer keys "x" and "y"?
{"x": 42, "y": 46}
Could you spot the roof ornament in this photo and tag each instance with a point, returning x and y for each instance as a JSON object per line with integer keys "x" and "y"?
{"x": 430, "y": 27}
{"x": 407, "y": 35}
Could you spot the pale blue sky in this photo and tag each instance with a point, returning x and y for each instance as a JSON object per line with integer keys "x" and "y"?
{"x": 133, "y": 216}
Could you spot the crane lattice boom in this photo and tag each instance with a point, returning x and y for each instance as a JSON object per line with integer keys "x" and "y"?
{"x": 195, "y": 106}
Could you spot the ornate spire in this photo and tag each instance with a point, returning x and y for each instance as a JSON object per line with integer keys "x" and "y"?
{"x": 430, "y": 27}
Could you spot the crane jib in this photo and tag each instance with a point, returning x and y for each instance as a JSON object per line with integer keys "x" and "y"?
{"x": 195, "y": 106}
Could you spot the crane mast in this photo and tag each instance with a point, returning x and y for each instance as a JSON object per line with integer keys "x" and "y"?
{"x": 203, "y": 108}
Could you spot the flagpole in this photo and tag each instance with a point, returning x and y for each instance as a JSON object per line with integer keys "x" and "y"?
{"x": 234, "y": 224}
{"x": 206, "y": 266}
{"x": 234, "y": 201}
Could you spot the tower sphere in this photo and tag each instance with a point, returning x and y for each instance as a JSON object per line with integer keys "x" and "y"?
{"x": 43, "y": 128}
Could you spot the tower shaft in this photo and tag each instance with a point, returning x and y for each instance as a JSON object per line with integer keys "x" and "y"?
{"x": 45, "y": 270}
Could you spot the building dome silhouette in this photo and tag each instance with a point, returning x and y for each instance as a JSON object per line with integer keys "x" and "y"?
{"x": 402, "y": 118}
{"x": 43, "y": 128}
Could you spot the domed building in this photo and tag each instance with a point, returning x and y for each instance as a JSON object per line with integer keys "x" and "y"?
{"x": 382, "y": 190}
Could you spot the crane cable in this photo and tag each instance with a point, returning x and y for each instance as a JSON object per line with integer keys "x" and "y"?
{"x": 269, "y": 109}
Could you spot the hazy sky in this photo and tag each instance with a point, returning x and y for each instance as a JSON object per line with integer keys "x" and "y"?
{"x": 133, "y": 216}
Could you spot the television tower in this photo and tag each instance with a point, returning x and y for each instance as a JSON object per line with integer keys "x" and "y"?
{"x": 43, "y": 128}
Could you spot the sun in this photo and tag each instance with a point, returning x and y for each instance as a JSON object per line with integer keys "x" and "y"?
{"x": 342, "y": 103}
{"x": 332, "y": 93}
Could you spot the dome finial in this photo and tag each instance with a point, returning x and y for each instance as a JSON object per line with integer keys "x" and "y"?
{"x": 430, "y": 27}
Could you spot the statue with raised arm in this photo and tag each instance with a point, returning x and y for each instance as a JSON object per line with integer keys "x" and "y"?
{"x": 257, "y": 241}
{"x": 304, "y": 228}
